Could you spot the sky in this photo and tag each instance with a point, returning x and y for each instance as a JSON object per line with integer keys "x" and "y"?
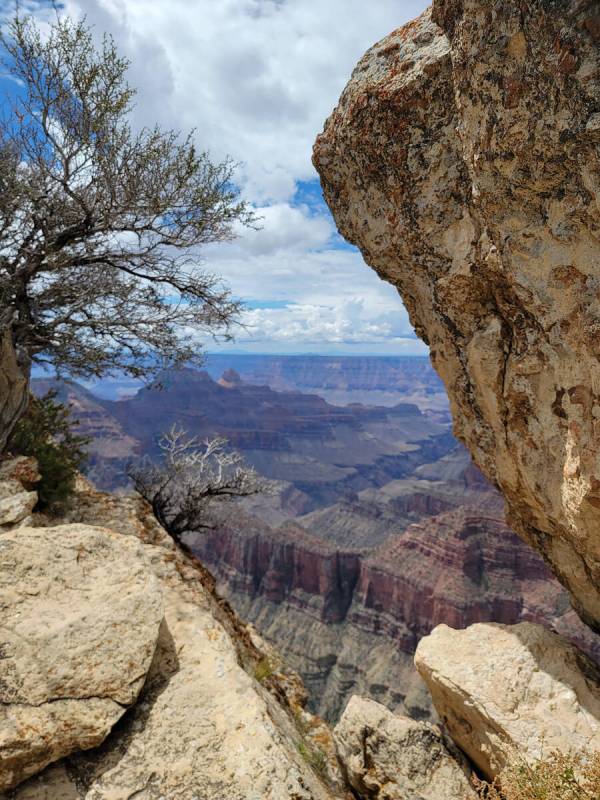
{"x": 257, "y": 79}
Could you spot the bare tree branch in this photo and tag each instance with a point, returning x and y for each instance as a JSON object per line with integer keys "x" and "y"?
{"x": 191, "y": 479}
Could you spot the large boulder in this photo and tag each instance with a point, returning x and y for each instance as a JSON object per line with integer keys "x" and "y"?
{"x": 203, "y": 727}
{"x": 391, "y": 757}
{"x": 463, "y": 160}
{"x": 511, "y": 690}
{"x": 81, "y": 611}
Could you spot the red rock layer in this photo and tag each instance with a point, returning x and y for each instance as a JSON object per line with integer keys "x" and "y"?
{"x": 456, "y": 568}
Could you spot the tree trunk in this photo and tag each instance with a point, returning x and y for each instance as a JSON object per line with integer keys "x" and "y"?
{"x": 14, "y": 387}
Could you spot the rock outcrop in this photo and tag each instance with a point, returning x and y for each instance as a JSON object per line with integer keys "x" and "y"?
{"x": 463, "y": 160}
{"x": 216, "y": 717}
{"x": 507, "y": 692}
{"x": 81, "y": 612}
{"x": 18, "y": 477}
{"x": 393, "y": 757}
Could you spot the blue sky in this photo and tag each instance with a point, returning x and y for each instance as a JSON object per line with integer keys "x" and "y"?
{"x": 257, "y": 79}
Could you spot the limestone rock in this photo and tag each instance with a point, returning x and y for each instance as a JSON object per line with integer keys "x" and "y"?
{"x": 393, "y": 757}
{"x": 464, "y": 162}
{"x": 80, "y": 619}
{"x": 15, "y": 503}
{"x": 203, "y": 727}
{"x": 502, "y": 689}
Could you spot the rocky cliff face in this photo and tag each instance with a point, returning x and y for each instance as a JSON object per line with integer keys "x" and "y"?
{"x": 377, "y": 574}
{"x": 463, "y": 160}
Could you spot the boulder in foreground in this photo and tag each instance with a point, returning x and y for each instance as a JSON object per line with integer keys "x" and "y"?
{"x": 202, "y": 728}
{"x": 394, "y": 757}
{"x": 81, "y": 612}
{"x": 503, "y": 690}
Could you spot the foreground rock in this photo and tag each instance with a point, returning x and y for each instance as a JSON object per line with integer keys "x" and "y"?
{"x": 203, "y": 727}
{"x": 463, "y": 160}
{"x": 81, "y": 612}
{"x": 506, "y": 689}
{"x": 389, "y": 757}
{"x": 16, "y": 504}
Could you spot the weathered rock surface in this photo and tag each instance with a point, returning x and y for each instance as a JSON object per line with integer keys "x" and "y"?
{"x": 80, "y": 618}
{"x": 203, "y": 727}
{"x": 389, "y": 757}
{"x": 20, "y": 468}
{"x": 15, "y": 503}
{"x": 463, "y": 160}
{"x": 506, "y": 689}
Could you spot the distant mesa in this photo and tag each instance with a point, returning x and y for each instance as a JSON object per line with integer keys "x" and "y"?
{"x": 229, "y": 379}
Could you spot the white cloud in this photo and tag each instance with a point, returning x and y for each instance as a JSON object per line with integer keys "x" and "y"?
{"x": 283, "y": 227}
{"x": 257, "y": 79}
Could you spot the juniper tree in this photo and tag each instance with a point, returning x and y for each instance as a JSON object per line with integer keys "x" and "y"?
{"x": 100, "y": 224}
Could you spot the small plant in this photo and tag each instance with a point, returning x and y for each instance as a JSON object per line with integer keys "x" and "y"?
{"x": 46, "y": 432}
{"x": 314, "y": 757}
{"x": 559, "y": 777}
{"x": 263, "y": 670}
{"x": 302, "y": 723}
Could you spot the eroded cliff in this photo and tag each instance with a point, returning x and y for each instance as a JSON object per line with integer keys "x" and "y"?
{"x": 375, "y": 574}
{"x": 464, "y": 160}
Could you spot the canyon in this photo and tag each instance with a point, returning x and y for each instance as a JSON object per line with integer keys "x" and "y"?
{"x": 463, "y": 160}
{"x": 379, "y": 527}
{"x": 376, "y": 574}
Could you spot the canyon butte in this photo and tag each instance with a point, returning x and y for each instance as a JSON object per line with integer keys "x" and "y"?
{"x": 463, "y": 161}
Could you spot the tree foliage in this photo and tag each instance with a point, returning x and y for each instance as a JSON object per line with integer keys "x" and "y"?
{"x": 192, "y": 477}
{"x": 47, "y": 432}
{"x": 101, "y": 224}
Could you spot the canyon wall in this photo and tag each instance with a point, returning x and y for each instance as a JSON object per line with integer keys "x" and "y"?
{"x": 347, "y": 609}
{"x": 463, "y": 160}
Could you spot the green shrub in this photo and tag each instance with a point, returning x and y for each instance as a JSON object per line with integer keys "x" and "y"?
{"x": 46, "y": 432}
{"x": 263, "y": 670}
{"x": 559, "y": 777}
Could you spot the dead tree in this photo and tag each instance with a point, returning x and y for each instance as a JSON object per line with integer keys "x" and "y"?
{"x": 191, "y": 479}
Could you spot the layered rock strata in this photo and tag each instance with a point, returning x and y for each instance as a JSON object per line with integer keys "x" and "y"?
{"x": 325, "y": 600}
{"x": 463, "y": 160}
{"x": 511, "y": 692}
